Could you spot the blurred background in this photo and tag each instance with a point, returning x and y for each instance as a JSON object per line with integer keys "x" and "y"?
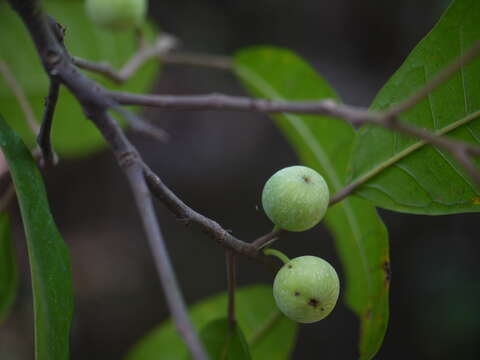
{"x": 218, "y": 162}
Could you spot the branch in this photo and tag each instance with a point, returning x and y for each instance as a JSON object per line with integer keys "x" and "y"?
{"x": 95, "y": 101}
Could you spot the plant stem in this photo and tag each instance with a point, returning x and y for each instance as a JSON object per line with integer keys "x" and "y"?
{"x": 278, "y": 254}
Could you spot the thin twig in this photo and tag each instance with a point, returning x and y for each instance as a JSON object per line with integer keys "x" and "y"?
{"x": 17, "y": 91}
{"x": 162, "y": 45}
{"x": 354, "y": 115}
{"x": 189, "y": 216}
{"x": 231, "y": 279}
{"x": 44, "y": 136}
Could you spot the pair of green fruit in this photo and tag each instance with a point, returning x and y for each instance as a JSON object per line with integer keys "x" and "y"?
{"x": 306, "y": 288}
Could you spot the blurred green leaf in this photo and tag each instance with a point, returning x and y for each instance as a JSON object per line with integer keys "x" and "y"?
{"x": 324, "y": 144}
{"x": 48, "y": 255}
{"x": 427, "y": 181}
{"x": 73, "y": 133}
{"x": 223, "y": 343}
{"x": 8, "y": 268}
{"x": 269, "y": 334}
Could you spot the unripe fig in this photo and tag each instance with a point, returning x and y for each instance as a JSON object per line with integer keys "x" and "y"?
{"x": 116, "y": 14}
{"x": 306, "y": 289}
{"x": 295, "y": 198}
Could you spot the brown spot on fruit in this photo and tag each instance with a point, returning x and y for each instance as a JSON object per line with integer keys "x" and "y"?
{"x": 313, "y": 302}
{"x": 297, "y": 293}
{"x": 306, "y": 179}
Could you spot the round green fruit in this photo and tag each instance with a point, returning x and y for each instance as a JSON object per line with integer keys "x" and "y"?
{"x": 306, "y": 289}
{"x": 295, "y": 198}
{"x": 116, "y": 14}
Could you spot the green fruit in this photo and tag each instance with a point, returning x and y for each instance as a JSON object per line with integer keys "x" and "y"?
{"x": 306, "y": 289}
{"x": 117, "y": 14}
{"x": 295, "y": 198}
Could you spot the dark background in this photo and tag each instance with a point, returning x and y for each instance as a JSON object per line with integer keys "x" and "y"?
{"x": 218, "y": 162}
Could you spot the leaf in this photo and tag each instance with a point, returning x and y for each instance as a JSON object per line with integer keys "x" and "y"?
{"x": 428, "y": 180}
{"x": 223, "y": 343}
{"x": 324, "y": 144}
{"x": 8, "y": 268}
{"x": 48, "y": 255}
{"x": 73, "y": 134}
{"x": 269, "y": 334}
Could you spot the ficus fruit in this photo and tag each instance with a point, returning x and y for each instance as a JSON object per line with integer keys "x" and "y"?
{"x": 306, "y": 289}
{"x": 116, "y": 14}
{"x": 295, "y": 198}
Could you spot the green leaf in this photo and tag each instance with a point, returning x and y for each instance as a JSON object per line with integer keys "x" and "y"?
{"x": 428, "y": 180}
{"x": 8, "y": 268}
{"x": 224, "y": 343}
{"x": 269, "y": 334}
{"x": 73, "y": 134}
{"x": 48, "y": 255}
{"x": 324, "y": 144}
